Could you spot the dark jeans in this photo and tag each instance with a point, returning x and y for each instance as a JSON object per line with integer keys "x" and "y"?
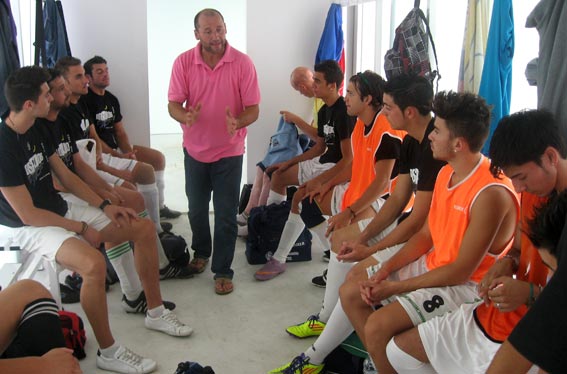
{"x": 222, "y": 178}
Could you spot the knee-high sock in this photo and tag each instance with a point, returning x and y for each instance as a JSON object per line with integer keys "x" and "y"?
{"x": 163, "y": 260}
{"x": 275, "y": 198}
{"x": 160, "y": 184}
{"x": 405, "y": 363}
{"x": 151, "y": 200}
{"x": 39, "y": 330}
{"x": 336, "y": 275}
{"x": 319, "y": 231}
{"x": 336, "y": 331}
{"x": 122, "y": 259}
{"x": 293, "y": 227}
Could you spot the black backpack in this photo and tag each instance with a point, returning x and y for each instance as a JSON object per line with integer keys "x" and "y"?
{"x": 265, "y": 226}
{"x": 175, "y": 248}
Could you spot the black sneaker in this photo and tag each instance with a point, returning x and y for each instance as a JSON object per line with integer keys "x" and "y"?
{"x": 171, "y": 271}
{"x": 326, "y": 255}
{"x": 166, "y": 226}
{"x": 321, "y": 280}
{"x": 140, "y": 305}
{"x": 165, "y": 212}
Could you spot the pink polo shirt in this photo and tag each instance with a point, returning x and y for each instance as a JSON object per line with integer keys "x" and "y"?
{"x": 232, "y": 83}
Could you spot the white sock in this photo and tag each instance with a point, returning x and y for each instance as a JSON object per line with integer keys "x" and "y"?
{"x": 319, "y": 231}
{"x": 160, "y": 183}
{"x": 150, "y": 194}
{"x": 110, "y": 351}
{"x": 162, "y": 257}
{"x": 122, "y": 259}
{"x": 405, "y": 363}
{"x": 292, "y": 229}
{"x": 336, "y": 274}
{"x": 336, "y": 331}
{"x": 157, "y": 311}
{"x": 275, "y": 198}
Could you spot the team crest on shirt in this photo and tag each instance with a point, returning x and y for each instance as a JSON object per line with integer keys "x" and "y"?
{"x": 414, "y": 174}
{"x": 33, "y": 167}
{"x": 329, "y": 131}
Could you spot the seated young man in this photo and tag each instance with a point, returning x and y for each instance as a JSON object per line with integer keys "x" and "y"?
{"x": 31, "y": 340}
{"x": 330, "y": 155}
{"x": 132, "y": 174}
{"x": 301, "y": 80}
{"x": 407, "y": 105}
{"x": 58, "y": 129}
{"x": 104, "y": 108}
{"x": 37, "y": 218}
{"x": 376, "y": 149}
{"x": 509, "y": 288}
{"x": 530, "y": 148}
{"x": 471, "y": 220}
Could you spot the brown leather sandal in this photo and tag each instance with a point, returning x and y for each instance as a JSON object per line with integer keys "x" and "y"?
{"x": 223, "y": 286}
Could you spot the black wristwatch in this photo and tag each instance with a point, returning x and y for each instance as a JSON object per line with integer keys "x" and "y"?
{"x": 104, "y": 204}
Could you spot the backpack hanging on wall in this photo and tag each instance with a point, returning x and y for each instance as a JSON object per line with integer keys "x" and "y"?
{"x": 410, "y": 51}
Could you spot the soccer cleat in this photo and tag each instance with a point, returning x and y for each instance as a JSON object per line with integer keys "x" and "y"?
{"x": 125, "y": 361}
{"x": 299, "y": 365}
{"x": 311, "y": 327}
{"x": 270, "y": 270}
{"x": 168, "y": 323}
{"x": 326, "y": 255}
{"x": 171, "y": 271}
{"x": 140, "y": 305}
{"x": 165, "y": 212}
{"x": 320, "y": 280}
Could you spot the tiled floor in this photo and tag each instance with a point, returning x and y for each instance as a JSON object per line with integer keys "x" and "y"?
{"x": 240, "y": 333}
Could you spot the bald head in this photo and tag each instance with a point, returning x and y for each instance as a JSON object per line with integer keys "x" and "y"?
{"x": 302, "y": 80}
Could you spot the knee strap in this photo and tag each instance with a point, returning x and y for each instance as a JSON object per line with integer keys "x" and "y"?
{"x": 311, "y": 213}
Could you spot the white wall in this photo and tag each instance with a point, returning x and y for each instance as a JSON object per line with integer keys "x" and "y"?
{"x": 280, "y": 36}
{"x": 117, "y": 31}
{"x": 170, "y": 32}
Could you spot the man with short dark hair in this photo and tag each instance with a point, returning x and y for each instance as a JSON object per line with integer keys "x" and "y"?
{"x": 214, "y": 95}
{"x": 530, "y": 149}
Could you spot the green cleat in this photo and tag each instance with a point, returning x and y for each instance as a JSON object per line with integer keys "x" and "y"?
{"x": 299, "y": 365}
{"x": 311, "y": 327}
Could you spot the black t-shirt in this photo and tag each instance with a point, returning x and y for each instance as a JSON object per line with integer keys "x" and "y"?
{"x": 105, "y": 113}
{"x": 540, "y": 335}
{"x": 389, "y": 149}
{"x": 417, "y": 161}
{"x": 76, "y": 118}
{"x": 60, "y": 139}
{"x": 334, "y": 125}
{"x": 25, "y": 162}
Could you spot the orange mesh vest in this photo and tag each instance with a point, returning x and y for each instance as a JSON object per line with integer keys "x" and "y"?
{"x": 450, "y": 214}
{"x": 364, "y": 149}
{"x": 495, "y": 324}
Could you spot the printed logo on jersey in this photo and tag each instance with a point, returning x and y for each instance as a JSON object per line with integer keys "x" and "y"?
{"x": 33, "y": 167}
{"x": 414, "y": 175}
{"x": 329, "y": 131}
{"x": 64, "y": 152}
{"x": 105, "y": 119}
{"x": 85, "y": 125}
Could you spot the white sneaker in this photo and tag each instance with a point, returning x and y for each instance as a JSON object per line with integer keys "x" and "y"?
{"x": 125, "y": 361}
{"x": 168, "y": 323}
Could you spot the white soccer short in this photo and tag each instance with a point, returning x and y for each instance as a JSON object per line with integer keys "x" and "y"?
{"x": 309, "y": 169}
{"x": 87, "y": 151}
{"x": 426, "y": 303}
{"x": 363, "y": 223}
{"x": 47, "y": 240}
{"x": 337, "y": 199}
{"x": 455, "y": 343}
{"x": 119, "y": 163}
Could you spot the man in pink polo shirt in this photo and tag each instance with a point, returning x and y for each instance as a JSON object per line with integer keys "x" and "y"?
{"x": 214, "y": 94}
